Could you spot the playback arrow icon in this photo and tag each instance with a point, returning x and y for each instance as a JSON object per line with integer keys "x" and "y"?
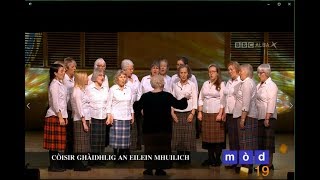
{"x": 28, "y": 105}
{"x": 291, "y": 105}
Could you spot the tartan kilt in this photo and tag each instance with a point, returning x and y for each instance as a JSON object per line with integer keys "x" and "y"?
{"x": 183, "y": 133}
{"x": 233, "y": 132}
{"x": 54, "y": 136}
{"x": 81, "y": 138}
{"x": 98, "y": 135}
{"x": 212, "y": 131}
{"x": 266, "y": 136}
{"x": 248, "y": 137}
{"x": 120, "y": 134}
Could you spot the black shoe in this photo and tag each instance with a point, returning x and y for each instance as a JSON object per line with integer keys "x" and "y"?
{"x": 217, "y": 163}
{"x": 271, "y": 167}
{"x": 231, "y": 167}
{"x": 148, "y": 172}
{"x": 82, "y": 169}
{"x": 100, "y": 163}
{"x": 237, "y": 170}
{"x": 207, "y": 163}
{"x": 160, "y": 172}
{"x": 53, "y": 169}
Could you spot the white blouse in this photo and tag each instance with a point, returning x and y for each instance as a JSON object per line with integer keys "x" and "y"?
{"x": 175, "y": 78}
{"x": 57, "y": 99}
{"x": 229, "y": 94}
{"x": 80, "y": 104}
{"x": 267, "y": 99}
{"x": 180, "y": 91}
{"x": 69, "y": 83}
{"x": 145, "y": 86}
{"x": 246, "y": 99}
{"x": 120, "y": 103}
{"x": 98, "y": 101}
{"x": 210, "y": 98}
{"x": 167, "y": 84}
{"x": 134, "y": 87}
{"x": 104, "y": 84}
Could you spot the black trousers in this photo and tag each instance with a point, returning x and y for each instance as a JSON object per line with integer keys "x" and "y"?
{"x": 70, "y": 141}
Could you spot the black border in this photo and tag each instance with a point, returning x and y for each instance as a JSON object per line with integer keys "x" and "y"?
{"x": 159, "y": 16}
{"x": 164, "y": 16}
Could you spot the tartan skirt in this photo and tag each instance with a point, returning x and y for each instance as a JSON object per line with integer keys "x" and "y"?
{"x": 183, "y": 133}
{"x": 212, "y": 131}
{"x": 266, "y": 136}
{"x": 81, "y": 138}
{"x": 98, "y": 135}
{"x": 248, "y": 137}
{"x": 54, "y": 136}
{"x": 233, "y": 132}
{"x": 120, "y": 134}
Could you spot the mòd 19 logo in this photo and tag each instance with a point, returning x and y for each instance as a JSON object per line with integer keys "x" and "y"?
{"x": 230, "y": 157}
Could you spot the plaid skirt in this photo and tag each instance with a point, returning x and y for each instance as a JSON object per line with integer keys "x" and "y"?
{"x": 120, "y": 134}
{"x": 266, "y": 136}
{"x": 212, "y": 131}
{"x": 183, "y": 133}
{"x": 81, "y": 138}
{"x": 248, "y": 137}
{"x": 54, "y": 136}
{"x": 98, "y": 135}
{"x": 233, "y": 132}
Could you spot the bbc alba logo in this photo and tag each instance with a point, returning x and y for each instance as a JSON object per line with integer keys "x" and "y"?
{"x": 250, "y": 45}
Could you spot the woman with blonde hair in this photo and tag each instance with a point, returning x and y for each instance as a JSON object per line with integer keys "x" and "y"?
{"x": 81, "y": 119}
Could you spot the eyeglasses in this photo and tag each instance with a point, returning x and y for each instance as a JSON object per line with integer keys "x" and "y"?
{"x": 259, "y": 73}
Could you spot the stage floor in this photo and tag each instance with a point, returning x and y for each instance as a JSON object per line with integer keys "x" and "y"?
{"x": 37, "y": 157}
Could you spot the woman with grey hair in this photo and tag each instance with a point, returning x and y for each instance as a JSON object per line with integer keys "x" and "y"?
{"x": 157, "y": 124}
{"x": 266, "y": 102}
{"x": 98, "y": 98}
{"x": 100, "y": 64}
{"x": 245, "y": 112}
{"x": 120, "y": 114}
{"x": 133, "y": 82}
{"x": 184, "y": 121}
{"x": 68, "y": 81}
